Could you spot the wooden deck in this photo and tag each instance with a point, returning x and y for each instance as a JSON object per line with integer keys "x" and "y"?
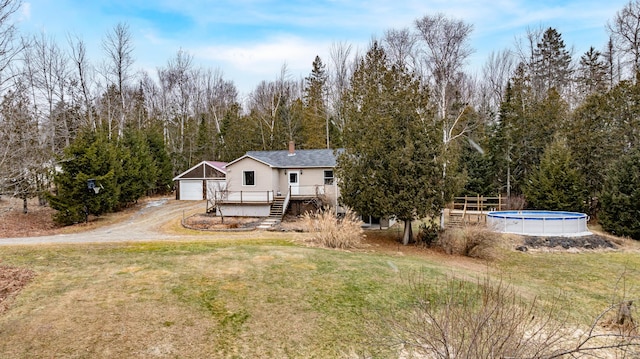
{"x": 472, "y": 210}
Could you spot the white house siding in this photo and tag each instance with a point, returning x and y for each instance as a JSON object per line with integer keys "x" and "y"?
{"x": 214, "y": 186}
{"x": 263, "y": 176}
{"x": 275, "y": 183}
{"x": 311, "y": 180}
{"x": 244, "y": 210}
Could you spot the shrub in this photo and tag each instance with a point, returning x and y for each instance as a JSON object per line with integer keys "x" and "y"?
{"x": 428, "y": 233}
{"x": 471, "y": 241}
{"x": 333, "y": 232}
{"x": 488, "y": 319}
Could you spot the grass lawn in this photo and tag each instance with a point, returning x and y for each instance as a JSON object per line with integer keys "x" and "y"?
{"x": 264, "y": 298}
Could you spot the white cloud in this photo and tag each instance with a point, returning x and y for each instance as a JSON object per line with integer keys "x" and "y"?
{"x": 267, "y": 56}
{"x": 25, "y": 12}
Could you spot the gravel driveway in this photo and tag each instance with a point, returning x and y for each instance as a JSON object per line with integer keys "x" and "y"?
{"x": 143, "y": 225}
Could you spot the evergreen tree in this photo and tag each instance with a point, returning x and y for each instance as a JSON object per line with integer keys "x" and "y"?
{"x": 124, "y": 170}
{"x": 511, "y": 135}
{"x": 162, "y": 179}
{"x": 204, "y": 143}
{"x": 90, "y": 156}
{"x": 391, "y": 165}
{"x": 477, "y": 172}
{"x": 138, "y": 170}
{"x": 556, "y": 184}
{"x": 501, "y": 145}
{"x": 620, "y": 198}
{"x": 592, "y": 72}
{"x": 241, "y": 134}
{"x": 551, "y": 63}
{"x": 316, "y": 125}
{"x": 590, "y": 134}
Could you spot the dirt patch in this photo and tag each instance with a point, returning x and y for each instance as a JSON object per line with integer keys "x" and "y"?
{"x": 12, "y": 280}
{"x": 209, "y": 222}
{"x": 13, "y": 223}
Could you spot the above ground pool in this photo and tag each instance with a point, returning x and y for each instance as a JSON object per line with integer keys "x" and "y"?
{"x": 539, "y": 223}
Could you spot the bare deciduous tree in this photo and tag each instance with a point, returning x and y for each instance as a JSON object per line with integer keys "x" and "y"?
{"x": 445, "y": 51}
{"x": 46, "y": 68}
{"x": 271, "y": 103}
{"x": 176, "y": 82}
{"x": 9, "y": 48}
{"x": 625, "y": 33}
{"x": 400, "y": 46}
{"x": 496, "y": 72}
{"x": 21, "y": 160}
{"x": 83, "y": 77}
{"x": 217, "y": 96}
{"x": 118, "y": 47}
{"x": 340, "y": 69}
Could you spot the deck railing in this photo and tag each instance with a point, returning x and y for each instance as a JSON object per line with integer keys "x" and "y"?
{"x": 308, "y": 191}
{"x": 257, "y": 197}
{"x": 249, "y": 197}
{"x": 479, "y": 203}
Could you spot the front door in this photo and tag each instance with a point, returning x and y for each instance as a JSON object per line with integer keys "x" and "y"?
{"x": 294, "y": 182}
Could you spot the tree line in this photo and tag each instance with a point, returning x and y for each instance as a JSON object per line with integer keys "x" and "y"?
{"x": 538, "y": 122}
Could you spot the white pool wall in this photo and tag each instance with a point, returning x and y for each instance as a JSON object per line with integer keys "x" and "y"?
{"x": 539, "y": 223}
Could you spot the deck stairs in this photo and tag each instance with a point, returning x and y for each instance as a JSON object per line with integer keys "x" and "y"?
{"x": 275, "y": 214}
{"x": 456, "y": 220}
{"x": 472, "y": 210}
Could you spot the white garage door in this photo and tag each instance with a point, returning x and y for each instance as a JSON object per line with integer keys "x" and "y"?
{"x": 191, "y": 190}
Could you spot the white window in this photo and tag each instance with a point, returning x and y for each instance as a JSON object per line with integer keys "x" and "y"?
{"x": 328, "y": 177}
{"x": 248, "y": 178}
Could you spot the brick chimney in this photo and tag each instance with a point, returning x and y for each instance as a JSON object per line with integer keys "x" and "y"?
{"x": 292, "y": 148}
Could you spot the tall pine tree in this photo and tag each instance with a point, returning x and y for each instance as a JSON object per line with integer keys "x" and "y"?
{"x": 315, "y": 121}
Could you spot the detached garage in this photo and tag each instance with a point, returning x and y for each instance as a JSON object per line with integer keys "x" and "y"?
{"x": 194, "y": 183}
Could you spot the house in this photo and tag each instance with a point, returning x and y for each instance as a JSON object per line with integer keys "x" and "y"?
{"x": 205, "y": 177}
{"x": 266, "y": 183}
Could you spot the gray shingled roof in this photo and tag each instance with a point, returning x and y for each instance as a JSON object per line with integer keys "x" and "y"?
{"x": 301, "y": 158}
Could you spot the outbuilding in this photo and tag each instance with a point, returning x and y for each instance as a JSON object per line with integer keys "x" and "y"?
{"x": 205, "y": 177}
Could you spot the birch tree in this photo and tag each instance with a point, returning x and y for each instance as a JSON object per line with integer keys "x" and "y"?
{"x": 340, "y": 68}
{"x": 118, "y": 47}
{"x": 444, "y": 52}
{"x": 82, "y": 73}
{"x": 47, "y": 72}
{"x": 270, "y": 105}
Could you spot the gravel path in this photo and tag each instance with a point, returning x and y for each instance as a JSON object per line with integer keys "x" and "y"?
{"x": 143, "y": 225}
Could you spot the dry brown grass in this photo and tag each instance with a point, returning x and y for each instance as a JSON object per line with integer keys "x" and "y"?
{"x": 471, "y": 241}
{"x": 489, "y": 319}
{"x": 331, "y": 231}
{"x": 190, "y": 300}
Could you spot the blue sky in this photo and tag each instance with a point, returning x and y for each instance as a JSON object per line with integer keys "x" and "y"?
{"x": 249, "y": 40}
